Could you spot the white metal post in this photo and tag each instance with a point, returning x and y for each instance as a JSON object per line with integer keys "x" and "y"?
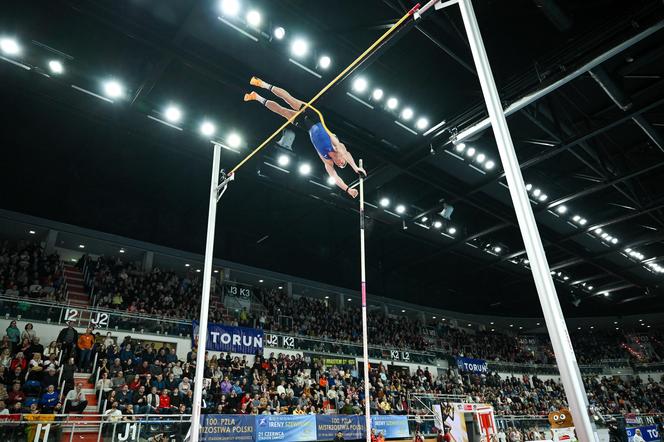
{"x": 553, "y": 315}
{"x": 365, "y": 339}
{"x": 205, "y": 298}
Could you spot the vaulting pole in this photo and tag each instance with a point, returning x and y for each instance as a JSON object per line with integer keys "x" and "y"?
{"x": 553, "y": 315}
{"x": 365, "y": 339}
{"x": 205, "y": 298}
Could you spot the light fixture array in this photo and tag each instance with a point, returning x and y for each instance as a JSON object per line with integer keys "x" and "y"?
{"x": 113, "y": 90}
{"x": 476, "y": 159}
{"x": 649, "y": 264}
{"x": 377, "y": 98}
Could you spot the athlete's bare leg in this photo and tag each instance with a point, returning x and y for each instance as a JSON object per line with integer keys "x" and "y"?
{"x": 293, "y": 102}
{"x": 272, "y": 105}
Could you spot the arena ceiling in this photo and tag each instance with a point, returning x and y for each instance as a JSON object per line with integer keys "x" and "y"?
{"x": 593, "y": 146}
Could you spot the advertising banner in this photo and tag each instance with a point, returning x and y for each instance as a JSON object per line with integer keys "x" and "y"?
{"x": 390, "y": 426}
{"x": 285, "y": 428}
{"x": 232, "y": 339}
{"x": 468, "y": 365}
{"x": 227, "y": 428}
{"x": 352, "y": 427}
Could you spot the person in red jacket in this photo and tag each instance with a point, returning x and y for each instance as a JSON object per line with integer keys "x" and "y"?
{"x": 164, "y": 402}
{"x": 19, "y": 361}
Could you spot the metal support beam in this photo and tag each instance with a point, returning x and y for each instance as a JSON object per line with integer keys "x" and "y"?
{"x": 534, "y": 96}
{"x": 555, "y": 321}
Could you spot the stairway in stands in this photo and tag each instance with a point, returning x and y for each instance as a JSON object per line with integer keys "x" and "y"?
{"x": 87, "y": 431}
{"x": 76, "y": 291}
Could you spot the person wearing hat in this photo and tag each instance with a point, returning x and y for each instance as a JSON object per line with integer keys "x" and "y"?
{"x": 339, "y": 437}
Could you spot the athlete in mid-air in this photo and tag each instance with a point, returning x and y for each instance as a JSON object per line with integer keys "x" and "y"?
{"x": 331, "y": 151}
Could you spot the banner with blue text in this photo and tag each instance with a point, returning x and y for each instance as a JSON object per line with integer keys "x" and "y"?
{"x": 352, "y": 427}
{"x": 390, "y": 426}
{"x": 231, "y": 339}
{"x": 227, "y": 428}
{"x": 285, "y": 428}
{"x": 468, "y": 365}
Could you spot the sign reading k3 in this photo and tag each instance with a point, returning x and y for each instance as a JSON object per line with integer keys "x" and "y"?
{"x": 232, "y": 339}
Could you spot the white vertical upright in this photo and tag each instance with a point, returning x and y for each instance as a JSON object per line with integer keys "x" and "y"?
{"x": 205, "y": 299}
{"x": 365, "y": 340}
{"x": 546, "y": 290}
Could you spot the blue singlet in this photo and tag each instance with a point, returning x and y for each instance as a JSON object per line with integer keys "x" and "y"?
{"x": 321, "y": 140}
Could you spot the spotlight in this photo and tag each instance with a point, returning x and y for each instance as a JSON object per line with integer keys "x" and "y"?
{"x": 324, "y": 62}
{"x": 543, "y": 197}
{"x": 605, "y": 294}
{"x": 254, "y": 18}
{"x": 186, "y": 265}
{"x": 81, "y": 246}
{"x": 331, "y": 181}
{"x": 561, "y": 209}
{"x": 407, "y": 114}
{"x": 32, "y": 232}
{"x": 598, "y": 231}
{"x": 230, "y": 7}
{"x": 56, "y": 66}
{"x": 422, "y": 123}
{"x": 489, "y": 165}
{"x": 208, "y": 129}
{"x": 113, "y": 89}
{"x": 377, "y": 94}
{"x": 384, "y": 202}
{"x": 576, "y": 218}
{"x": 279, "y": 33}
{"x": 233, "y": 140}
{"x": 122, "y": 250}
{"x": 529, "y": 187}
{"x": 451, "y": 230}
{"x": 283, "y": 160}
{"x": 605, "y": 235}
{"x": 425, "y": 219}
{"x": 590, "y": 287}
{"x": 173, "y": 114}
{"x": 360, "y": 84}
{"x": 299, "y": 47}
{"x": 392, "y": 103}
{"x": 583, "y": 221}
{"x": 305, "y": 169}
{"x": 480, "y": 158}
{"x": 497, "y": 249}
{"x": 400, "y": 209}
{"x": 471, "y": 152}
{"x": 614, "y": 241}
{"x": 437, "y": 224}
{"x": 9, "y": 46}
{"x": 260, "y": 280}
{"x": 536, "y": 192}
{"x": 460, "y": 147}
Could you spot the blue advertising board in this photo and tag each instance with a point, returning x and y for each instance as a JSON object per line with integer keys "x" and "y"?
{"x": 390, "y": 426}
{"x": 648, "y": 433}
{"x": 352, "y": 427}
{"x": 232, "y": 339}
{"x": 227, "y": 428}
{"x": 285, "y": 428}
{"x": 469, "y": 365}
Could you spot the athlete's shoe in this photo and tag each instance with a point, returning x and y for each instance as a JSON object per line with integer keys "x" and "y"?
{"x": 255, "y": 81}
{"x": 251, "y": 96}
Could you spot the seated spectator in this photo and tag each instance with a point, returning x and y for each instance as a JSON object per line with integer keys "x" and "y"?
{"x": 75, "y": 400}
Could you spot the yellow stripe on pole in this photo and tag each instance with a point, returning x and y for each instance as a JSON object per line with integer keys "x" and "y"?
{"x": 322, "y": 91}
